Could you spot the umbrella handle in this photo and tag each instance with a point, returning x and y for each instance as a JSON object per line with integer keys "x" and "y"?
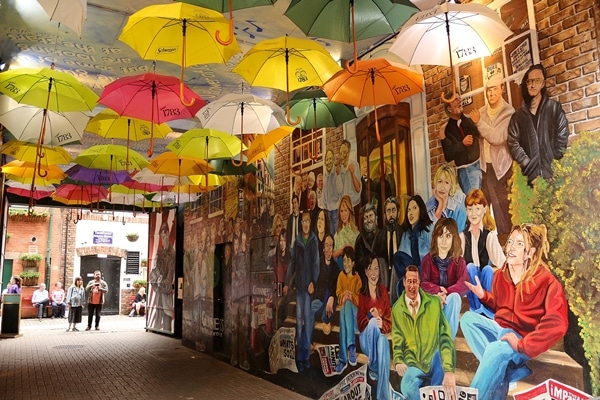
{"x": 354, "y": 68}
{"x": 182, "y": 97}
{"x": 288, "y": 113}
{"x": 218, "y": 33}
{"x": 452, "y": 97}
{"x": 233, "y": 161}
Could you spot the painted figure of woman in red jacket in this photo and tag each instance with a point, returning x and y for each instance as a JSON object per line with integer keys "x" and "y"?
{"x": 530, "y": 314}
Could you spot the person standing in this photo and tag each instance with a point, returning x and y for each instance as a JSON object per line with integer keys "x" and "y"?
{"x": 390, "y": 237}
{"x": 492, "y": 122}
{"x": 366, "y": 242}
{"x": 293, "y": 222}
{"x": 538, "y": 131}
{"x": 40, "y": 299}
{"x": 75, "y": 300}
{"x": 58, "y": 300}
{"x": 423, "y": 351}
{"x": 95, "y": 291}
{"x": 15, "y": 287}
{"x": 461, "y": 145}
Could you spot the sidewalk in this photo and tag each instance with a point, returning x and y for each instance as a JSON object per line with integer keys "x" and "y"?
{"x": 119, "y": 361}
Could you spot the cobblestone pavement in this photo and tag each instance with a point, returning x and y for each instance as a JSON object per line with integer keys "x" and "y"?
{"x": 120, "y": 361}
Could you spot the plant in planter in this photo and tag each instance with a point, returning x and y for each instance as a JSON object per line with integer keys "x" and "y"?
{"x": 29, "y": 278}
{"x": 138, "y": 283}
{"x": 144, "y": 262}
{"x": 31, "y": 260}
{"x": 132, "y": 237}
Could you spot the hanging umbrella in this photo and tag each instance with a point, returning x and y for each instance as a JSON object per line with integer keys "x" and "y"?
{"x": 142, "y": 186}
{"x": 71, "y": 194}
{"x": 169, "y": 163}
{"x": 96, "y": 176}
{"x": 112, "y": 157}
{"x": 25, "y": 151}
{"x": 161, "y": 32}
{"x": 316, "y": 111}
{"x": 227, "y": 167}
{"x": 24, "y": 189}
{"x": 287, "y": 63}
{"x": 151, "y": 97}
{"x": 167, "y": 198}
{"x": 450, "y": 33}
{"x": 349, "y": 20}
{"x": 162, "y": 181}
{"x": 224, "y": 6}
{"x": 110, "y": 125}
{"x": 121, "y": 194}
{"x": 207, "y": 144}
{"x": 200, "y": 183}
{"x": 374, "y": 82}
{"x": 26, "y": 169}
{"x": 24, "y": 122}
{"x": 263, "y": 144}
{"x": 71, "y": 13}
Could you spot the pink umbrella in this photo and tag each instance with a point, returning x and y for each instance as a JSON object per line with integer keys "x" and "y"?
{"x": 151, "y": 97}
{"x": 71, "y": 194}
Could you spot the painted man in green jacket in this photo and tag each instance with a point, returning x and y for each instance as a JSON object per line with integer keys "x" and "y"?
{"x": 423, "y": 349}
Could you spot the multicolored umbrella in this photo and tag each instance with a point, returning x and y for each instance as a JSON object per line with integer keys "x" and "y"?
{"x": 150, "y": 97}
{"x": 287, "y": 63}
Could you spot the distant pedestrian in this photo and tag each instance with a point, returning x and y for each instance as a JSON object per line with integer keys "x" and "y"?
{"x": 40, "y": 300}
{"x": 15, "y": 286}
{"x": 75, "y": 300}
{"x": 58, "y": 300}
{"x": 95, "y": 291}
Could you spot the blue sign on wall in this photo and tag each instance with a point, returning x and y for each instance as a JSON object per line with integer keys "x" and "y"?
{"x": 103, "y": 237}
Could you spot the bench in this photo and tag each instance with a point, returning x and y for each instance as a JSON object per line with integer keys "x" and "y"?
{"x": 29, "y": 311}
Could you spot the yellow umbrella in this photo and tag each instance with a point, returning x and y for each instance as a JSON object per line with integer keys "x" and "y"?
{"x": 170, "y": 163}
{"x": 110, "y": 125}
{"x": 263, "y": 144}
{"x": 26, "y": 169}
{"x": 38, "y": 181}
{"x": 160, "y": 32}
{"x": 287, "y": 63}
{"x": 26, "y": 151}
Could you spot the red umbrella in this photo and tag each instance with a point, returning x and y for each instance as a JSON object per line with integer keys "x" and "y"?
{"x": 71, "y": 194}
{"x": 151, "y": 97}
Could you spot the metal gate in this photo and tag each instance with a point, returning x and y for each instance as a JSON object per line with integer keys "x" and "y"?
{"x": 110, "y": 267}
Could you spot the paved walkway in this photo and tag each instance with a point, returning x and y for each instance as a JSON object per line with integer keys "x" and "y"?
{"x": 119, "y": 361}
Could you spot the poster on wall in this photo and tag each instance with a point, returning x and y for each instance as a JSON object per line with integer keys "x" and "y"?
{"x": 161, "y": 292}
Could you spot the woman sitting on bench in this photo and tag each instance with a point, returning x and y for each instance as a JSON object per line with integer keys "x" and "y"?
{"x": 138, "y": 303}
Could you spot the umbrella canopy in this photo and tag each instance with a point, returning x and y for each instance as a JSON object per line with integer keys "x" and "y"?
{"x": 26, "y": 169}
{"x": 171, "y": 197}
{"x": 336, "y": 19}
{"x": 263, "y": 144}
{"x": 227, "y": 167}
{"x": 72, "y": 194}
{"x": 206, "y": 143}
{"x": 239, "y": 114}
{"x": 24, "y": 189}
{"x": 110, "y": 125}
{"x": 199, "y": 184}
{"x": 25, "y": 122}
{"x": 151, "y": 97}
{"x": 112, "y": 157}
{"x": 375, "y": 82}
{"x": 316, "y": 111}
{"x": 47, "y": 88}
{"x": 287, "y": 63}
{"x": 26, "y": 151}
{"x": 96, "y": 176}
{"x": 160, "y": 181}
{"x": 169, "y": 163}
{"x": 71, "y": 13}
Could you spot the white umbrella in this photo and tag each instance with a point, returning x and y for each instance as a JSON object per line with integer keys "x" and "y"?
{"x": 25, "y": 123}
{"x": 147, "y": 176}
{"x": 71, "y": 13}
{"x": 450, "y": 33}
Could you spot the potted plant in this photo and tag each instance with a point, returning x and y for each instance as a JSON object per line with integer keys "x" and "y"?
{"x": 144, "y": 262}
{"x": 132, "y": 237}
{"x": 138, "y": 283}
{"x": 29, "y": 278}
{"x": 31, "y": 260}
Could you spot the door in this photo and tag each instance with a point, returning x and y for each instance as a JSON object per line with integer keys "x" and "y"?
{"x": 6, "y": 274}
{"x": 110, "y": 267}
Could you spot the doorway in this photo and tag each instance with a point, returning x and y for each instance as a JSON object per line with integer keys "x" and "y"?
{"x": 6, "y": 273}
{"x": 110, "y": 267}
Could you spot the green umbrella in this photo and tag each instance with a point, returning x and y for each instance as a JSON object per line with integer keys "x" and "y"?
{"x": 316, "y": 111}
{"x": 227, "y": 167}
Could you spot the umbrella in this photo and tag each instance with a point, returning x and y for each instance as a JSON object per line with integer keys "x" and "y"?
{"x": 112, "y": 157}
{"x": 151, "y": 97}
{"x": 122, "y": 194}
{"x": 71, "y": 194}
{"x": 199, "y": 184}
{"x": 26, "y": 151}
{"x": 270, "y": 63}
{"x": 71, "y": 13}
{"x": 96, "y": 176}
{"x": 374, "y": 82}
{"x": 335, "y": 19}
{"x": 161, "y": 32}
{"x": 223, "y": 6}
{"x": 24, "y": 123}
{"x": 206, "y": 143}
{"x": 263, "y": 144}
{"x": 110, "y": 125}
{"x": 158, "y": 181}
{"x": 450, "y": 33}
{"x": 227, "y": 167}
{"x": 171, "y": 198}
{"x": 24, "y": 189}
{"x": 26, "y": 169}
{"x": 316, "y": 111}
{"x": 169, "y": 163}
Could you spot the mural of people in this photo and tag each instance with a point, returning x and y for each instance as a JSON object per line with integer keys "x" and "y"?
{"x": 461, "y": 145}
{"x": 293, "y": 223}
{"x": 240, "y": 295}
{"x": 444, "y": 271}
{"x": 347, "y": 231}
{"x": 280, "y": 265}
{"x": 492, "y": 122}
{"x": 324, "y": 299}
{"x": 331, "y": 191}
{"x": 423, "y": 350}
{"x": 530, "y": 314}
{"x": 538, "y": 131}
{"x": 162, "y": 279}
{"x": 481, "y": 247}
{"x": 348, "y": 170}
{"x": 367, "y": 242}
{"x": 391, "y": 236}
{"x": 448, "y": 200}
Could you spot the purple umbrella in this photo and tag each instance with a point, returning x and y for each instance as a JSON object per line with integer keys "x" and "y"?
{"x": 97, "y": 176}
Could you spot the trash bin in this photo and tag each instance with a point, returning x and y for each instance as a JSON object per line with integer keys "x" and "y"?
{"x": 11, "y": 315}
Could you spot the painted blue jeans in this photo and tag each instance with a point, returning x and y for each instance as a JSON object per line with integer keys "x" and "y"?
{"x": 486, "y": 275}
{"x": 452, "y": 311}
{"x": 303, "y": 328}
{"x": 348, "y": 328}
{"x": 377, "y": 347}
{"x": 414, "y": 378}
{"x": 318, "y": 307}
{"x": 469, "y": 178}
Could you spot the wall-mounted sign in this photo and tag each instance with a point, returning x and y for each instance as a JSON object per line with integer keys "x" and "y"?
{"x": 103, "y": 237}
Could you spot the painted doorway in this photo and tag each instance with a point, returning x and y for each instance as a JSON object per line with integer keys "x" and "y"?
{"x": 6, "y": 273}
{"x": 110, "y": 267}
